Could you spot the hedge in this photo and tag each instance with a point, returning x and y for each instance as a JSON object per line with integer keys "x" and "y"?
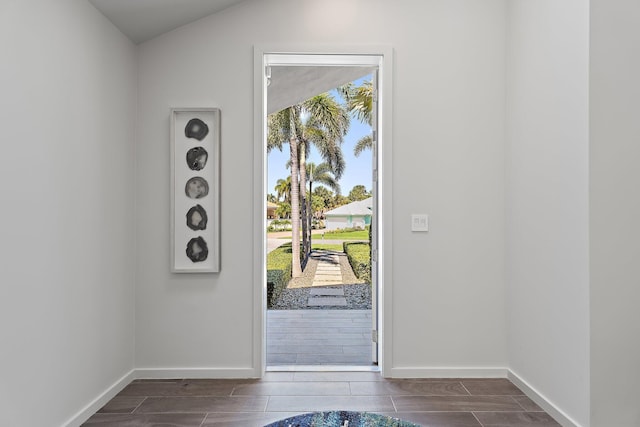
{"x": 359, "y": 256}
{"x": 278, "y": 272}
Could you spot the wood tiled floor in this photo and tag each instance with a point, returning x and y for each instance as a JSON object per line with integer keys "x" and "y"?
{"x": 249, "y": 403}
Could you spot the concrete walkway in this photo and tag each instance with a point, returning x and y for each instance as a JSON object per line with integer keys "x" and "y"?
{"x": 327, "y": 288}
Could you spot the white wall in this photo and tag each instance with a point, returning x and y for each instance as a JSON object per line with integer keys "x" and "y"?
{"x": 448, "y": 142}
{"x": 67, "y": 114}
{"x": 547, "y": 248}
{"x": 615, "y": 211}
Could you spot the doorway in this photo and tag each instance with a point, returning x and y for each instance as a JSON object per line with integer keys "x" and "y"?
{"x": 309, "y": 75}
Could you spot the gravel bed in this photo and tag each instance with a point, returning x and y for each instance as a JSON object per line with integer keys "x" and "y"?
{"x": 296, "y": 295}
{"x": 358, "y": 298}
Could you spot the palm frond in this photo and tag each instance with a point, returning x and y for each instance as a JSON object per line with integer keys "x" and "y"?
{"x": 364, "y": 143}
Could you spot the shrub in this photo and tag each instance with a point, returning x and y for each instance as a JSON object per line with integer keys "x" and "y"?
{"x": 278, "y": 272}
{"x": 279, "y": 225}
{"x": 359, "y": 256}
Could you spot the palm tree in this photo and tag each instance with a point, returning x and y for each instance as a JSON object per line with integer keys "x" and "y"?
{"x": 283, "y": 189}
{"x": 360, "y": 104}
{"x": 283, "y": 127}
{"x": 318, "y": 121}
{"x": 322, "y": 174}
{"x": 325, "y": 128}
{"x": 283, "y": 210}
{"x": 358, "y": 192}
{"x": 326, "y": 195}
{"x": 364, "y": 143}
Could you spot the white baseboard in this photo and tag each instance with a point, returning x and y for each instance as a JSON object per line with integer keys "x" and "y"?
{"x": 97, "y": 403}
{"x": 542, "y": 401}
{"x": 166, "y": 373}
{"x": 448, "y": 373}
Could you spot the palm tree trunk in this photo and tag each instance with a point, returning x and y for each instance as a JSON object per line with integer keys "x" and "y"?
{"x": 306, "y": 247}
{"x": 310, "y": 214}
{"x": 296, "y": 268}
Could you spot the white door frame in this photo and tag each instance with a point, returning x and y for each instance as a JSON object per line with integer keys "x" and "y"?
{"x": 325, "y": 55}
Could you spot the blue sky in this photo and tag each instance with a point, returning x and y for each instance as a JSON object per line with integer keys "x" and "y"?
{"x": 357, "y": 171}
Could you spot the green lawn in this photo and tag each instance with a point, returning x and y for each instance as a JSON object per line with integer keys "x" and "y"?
{"x": 347, "y": 235}
{"x": 337, "y": 235}
{"x": 336, "y": 247}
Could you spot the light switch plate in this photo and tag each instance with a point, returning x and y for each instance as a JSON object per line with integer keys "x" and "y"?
{"x": 419, "y": 222}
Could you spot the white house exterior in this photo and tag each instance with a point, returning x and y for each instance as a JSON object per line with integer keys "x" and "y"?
{"x": 354, "y": 215}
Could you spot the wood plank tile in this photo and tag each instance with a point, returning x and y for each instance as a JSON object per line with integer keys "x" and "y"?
{"x": 203, "y": 404}
{"x": 338, "y": 376}
{"x": 491, "y": 387}
{"x": 293, "y": 389}
{"x": 194, "y": 387}
{"x": 278, "y": 376}
{"x": 527, "y": 404}
{"x": 516, "y": 419}
{"x": 145, "y": 420}
{"x": 409, "y": 388}
{"x": 330, "y": 403}
{"x": 251, "y": 402}
{"x": 455, "y": 403}
{"x": 122, "y": 405}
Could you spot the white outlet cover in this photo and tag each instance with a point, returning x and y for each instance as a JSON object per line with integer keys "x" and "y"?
{"x": 419, "y": 222}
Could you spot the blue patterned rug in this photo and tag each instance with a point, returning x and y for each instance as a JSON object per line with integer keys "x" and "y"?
{"x": 341, "y": 419}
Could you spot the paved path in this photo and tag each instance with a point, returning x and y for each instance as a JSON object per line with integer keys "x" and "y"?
{"x": 327, "y": 288}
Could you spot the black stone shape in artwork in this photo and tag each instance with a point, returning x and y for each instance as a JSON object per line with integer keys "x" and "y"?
{"x": 197, "y": 250}
{"x": 197, "y": 158}
{"x": 197, "y": 129}
{"x": 196, "y": 188}
{"x": 197, "y": 218}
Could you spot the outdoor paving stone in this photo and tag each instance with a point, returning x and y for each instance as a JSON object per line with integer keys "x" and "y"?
{"x": 327, "y": 301}
{"x": 327, "y": 291}
{"x": 326, "y": 264}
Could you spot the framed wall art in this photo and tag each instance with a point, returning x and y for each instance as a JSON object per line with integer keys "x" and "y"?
{"x": 195, "y": 190}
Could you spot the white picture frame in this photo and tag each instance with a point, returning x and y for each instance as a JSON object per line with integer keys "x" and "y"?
{"x": 195, "y": 190}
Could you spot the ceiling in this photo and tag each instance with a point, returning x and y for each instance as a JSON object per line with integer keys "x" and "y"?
{"x": 142, "y": 20}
